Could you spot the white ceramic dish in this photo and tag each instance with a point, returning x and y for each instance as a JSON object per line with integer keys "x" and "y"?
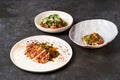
{"x": 65, "y": 16}
{"x": 106, "y": 29}
{"x": 19, "y": 58}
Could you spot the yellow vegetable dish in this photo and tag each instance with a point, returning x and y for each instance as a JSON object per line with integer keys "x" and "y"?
{"x": 93, "y": 39}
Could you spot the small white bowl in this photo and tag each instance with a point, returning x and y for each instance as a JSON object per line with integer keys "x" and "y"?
{"x": 65, "y": 16}
{"x": 106, "y": 29}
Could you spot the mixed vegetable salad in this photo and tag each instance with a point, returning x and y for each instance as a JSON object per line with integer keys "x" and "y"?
{"x": 93, "y": 39}
{"x": 53, "y": 21}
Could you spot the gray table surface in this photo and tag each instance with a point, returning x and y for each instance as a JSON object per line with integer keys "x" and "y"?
{"x": 16, "y": 23}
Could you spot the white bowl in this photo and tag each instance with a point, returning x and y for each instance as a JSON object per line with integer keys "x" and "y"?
{"x": 65, "y": 16}
{"x": 106, "y": 29}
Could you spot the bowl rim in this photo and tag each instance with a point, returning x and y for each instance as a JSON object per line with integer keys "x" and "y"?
{"x": 88, "y": 46}
{"x": 58, "y": 30}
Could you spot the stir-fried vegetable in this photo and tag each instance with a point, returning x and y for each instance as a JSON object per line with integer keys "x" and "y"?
{"x": 53, "y": 21}
{"x": 93, "y": 39}
{"x": 41, "y": 52}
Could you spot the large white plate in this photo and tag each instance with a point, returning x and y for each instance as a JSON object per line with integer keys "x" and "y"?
{"x": 19, "y": 58}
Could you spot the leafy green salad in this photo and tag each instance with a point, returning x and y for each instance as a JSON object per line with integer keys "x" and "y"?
{"x": 53, "y": 21}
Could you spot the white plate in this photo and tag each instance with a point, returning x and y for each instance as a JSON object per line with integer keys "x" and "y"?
{"x": 106, "y": 29}
{"x": 65, "y": 16}
{"x": 19, "y": 58}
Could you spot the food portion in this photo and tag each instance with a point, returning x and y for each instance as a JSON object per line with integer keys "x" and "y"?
{"x": 93, "y": 39}
{"x": 41, "y": 52}
{"x": 53, "y": 21}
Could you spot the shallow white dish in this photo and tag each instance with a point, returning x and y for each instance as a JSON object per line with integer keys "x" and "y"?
{"x": 106, "y": 29}
{"x": 65, "y": 16}
{"x": 19, "y": 58}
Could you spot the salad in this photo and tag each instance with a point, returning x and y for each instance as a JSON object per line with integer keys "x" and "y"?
{"x": 93, "y": 39}
{"x": 41, "y": 52}
{"x": 53, "y": 21}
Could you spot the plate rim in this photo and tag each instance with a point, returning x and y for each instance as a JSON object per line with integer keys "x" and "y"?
{"x": 38, "y": 71}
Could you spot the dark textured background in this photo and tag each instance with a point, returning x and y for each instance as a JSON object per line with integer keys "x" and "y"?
{"x": 16, "y": 23}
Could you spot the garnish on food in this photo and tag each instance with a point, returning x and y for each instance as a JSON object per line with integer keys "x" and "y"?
{"x": 93, "y": 39}
{"x": 53, "y": 21}
{"x": 41, "y": 52}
